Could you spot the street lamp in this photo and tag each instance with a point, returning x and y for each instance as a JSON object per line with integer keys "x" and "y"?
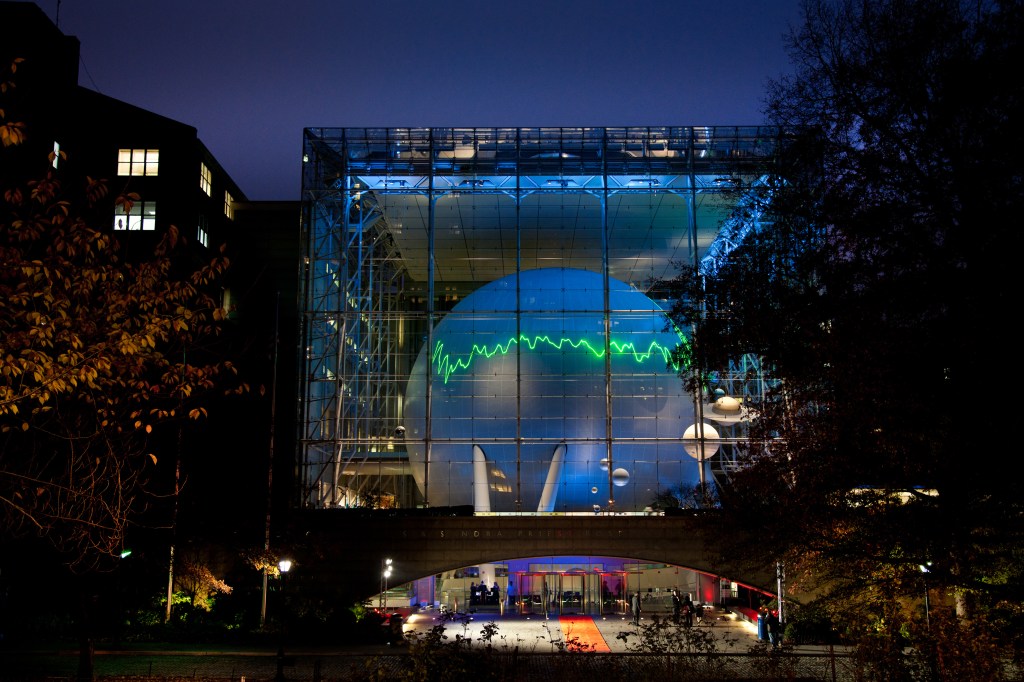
{"x": 925, "y": 570}
{"x": 933, "y": 662}
{"x": 780, "y": 578}
{"x": 385, "y": 573}
{"x": 285, "y": 565}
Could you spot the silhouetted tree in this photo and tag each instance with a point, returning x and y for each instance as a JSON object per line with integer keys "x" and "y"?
{"x": 880, "y": 294}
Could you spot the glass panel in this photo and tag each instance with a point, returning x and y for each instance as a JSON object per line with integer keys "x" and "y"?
{"x": 152, "y": 157}
{"x": 205, "y": 179}
{"x": 149, "y": 215}
{"x": 124, "y": 161}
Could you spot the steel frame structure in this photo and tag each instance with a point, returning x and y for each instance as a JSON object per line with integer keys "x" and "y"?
{"x": 386, "y": 221}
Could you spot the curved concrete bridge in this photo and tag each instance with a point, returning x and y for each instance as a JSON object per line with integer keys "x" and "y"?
{"x": 346, "y": 547}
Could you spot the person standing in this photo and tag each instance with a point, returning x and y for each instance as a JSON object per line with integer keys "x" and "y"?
{"x": 687, "y": 611}
{"x": 774, "y": 628}
{"x": 395, "y": 631}
{"x": 635, "y": 608}
{"x": 677, "y": 605}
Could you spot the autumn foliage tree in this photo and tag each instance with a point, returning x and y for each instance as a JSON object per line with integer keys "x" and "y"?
{"x": 97, "y": 354}
{"x": 197, "y": 582}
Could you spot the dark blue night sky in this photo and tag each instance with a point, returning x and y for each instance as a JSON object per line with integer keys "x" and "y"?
{"x": 251, "y": 75}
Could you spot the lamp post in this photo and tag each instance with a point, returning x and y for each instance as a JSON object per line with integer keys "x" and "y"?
{"x": 285, "y": 565}
{"x": 925, "y": 570}
{"x": 385, "y": 573}
{"x": 933, "y": 662}
{"x": 780, "y": 579}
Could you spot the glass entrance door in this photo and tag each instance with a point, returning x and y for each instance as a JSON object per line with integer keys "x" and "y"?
{"x": 536, "y": 592}
{"x": 572, "y": 594}
{"x": 613, "y": 593}
{"x": 569, "y": 593}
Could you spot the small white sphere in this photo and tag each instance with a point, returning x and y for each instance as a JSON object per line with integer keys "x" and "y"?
{"x": 694, "y": 448}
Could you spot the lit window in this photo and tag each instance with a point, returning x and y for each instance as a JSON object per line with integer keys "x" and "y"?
{"x": 56, "y": 153}
{"x": 202, "y": 236}
{"x": 205, "y": 179}
{"x": 142, "y": 216}
{"x": 229, "y": 207}
{"x": 138, "y": 161}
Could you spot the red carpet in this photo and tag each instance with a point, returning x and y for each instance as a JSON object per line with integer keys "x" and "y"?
{"x": 583, "y": 630}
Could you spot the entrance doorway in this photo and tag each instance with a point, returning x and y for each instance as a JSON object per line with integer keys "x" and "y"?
{"x": 573, "y": 592}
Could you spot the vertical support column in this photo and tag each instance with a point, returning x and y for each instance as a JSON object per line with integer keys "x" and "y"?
{"x": 481, "y": 490}
{"x": 606, "y": 298}
{"x": 362, "y": 404}
{"x": 519, "y": 332}
{"x": 698, "y": 397}
{"x": 428, "y": 428}
{"x": 342, "y": 311}
{"x": 549, "y": 494}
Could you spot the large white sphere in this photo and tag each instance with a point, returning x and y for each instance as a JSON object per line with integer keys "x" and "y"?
{"x": 525, "y": 360}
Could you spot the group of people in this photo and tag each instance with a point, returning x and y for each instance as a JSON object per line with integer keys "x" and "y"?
{"x": 480, "y": 594}
{"x": 683, "y": 609}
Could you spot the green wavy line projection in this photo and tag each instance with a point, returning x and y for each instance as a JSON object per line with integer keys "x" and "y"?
{"x": 446, "y": 366}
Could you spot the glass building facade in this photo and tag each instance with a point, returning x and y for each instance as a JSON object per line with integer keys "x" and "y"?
{"x": 479, "y": 321}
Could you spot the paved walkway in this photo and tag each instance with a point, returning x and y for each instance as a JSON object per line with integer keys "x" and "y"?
{"x": 532, "y": 635}
{"x": 540, "y": 634}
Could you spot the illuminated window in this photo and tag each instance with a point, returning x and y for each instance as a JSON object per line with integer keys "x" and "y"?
{"x": 138, "y": 161}
{"x": 56, "y": 153}
{"x": 205, "y": 179}
{"x": 142, "y": 216}
{"x": 202, "y": 236}
{"x": 229, "y": 206}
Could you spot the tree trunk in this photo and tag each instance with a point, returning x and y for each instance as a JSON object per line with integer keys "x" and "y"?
{"x": 85, "y": 643}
